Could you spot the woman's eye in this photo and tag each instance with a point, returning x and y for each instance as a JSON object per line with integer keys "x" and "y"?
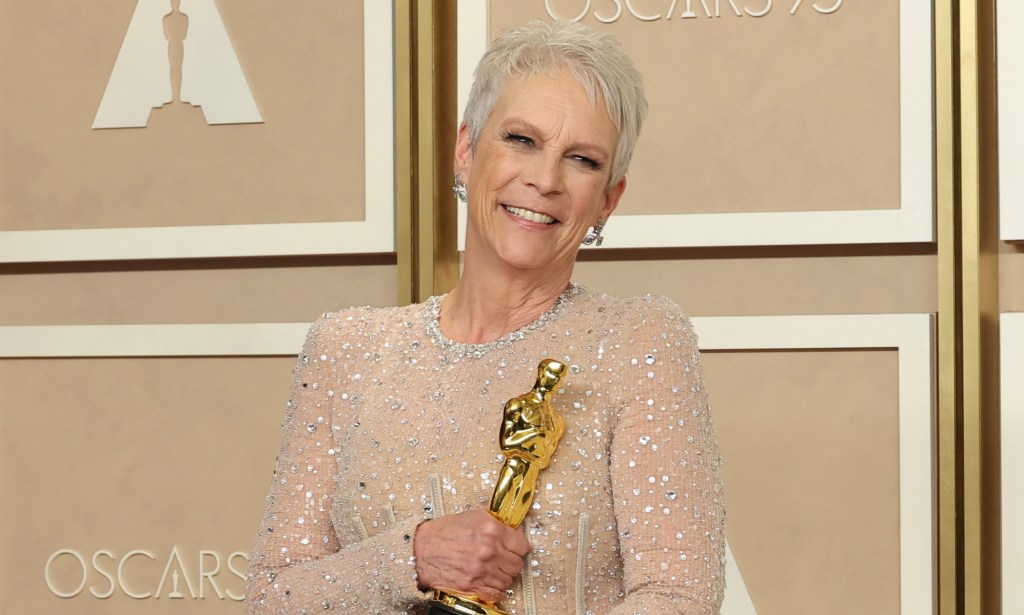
{"x": 588, "y": 162}
{"x": 519, "y": 139}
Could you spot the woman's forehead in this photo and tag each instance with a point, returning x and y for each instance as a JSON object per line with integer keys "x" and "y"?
{"x": 545, "y": 98}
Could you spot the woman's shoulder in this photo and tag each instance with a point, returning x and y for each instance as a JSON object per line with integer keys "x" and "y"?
{"x": 638, "y": 319}
{"x": 360, "y": 321}
{"x": 642, "y": 307}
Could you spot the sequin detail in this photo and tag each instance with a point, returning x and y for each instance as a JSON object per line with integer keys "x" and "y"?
{"x": 434, "y": 332}
{"x": 388, "y": 424}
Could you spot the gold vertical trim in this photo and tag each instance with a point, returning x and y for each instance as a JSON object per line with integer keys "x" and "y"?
{"x": 949, "y": 308}
{"x": 967, "y": 193}
{"x": 404, "y": 226}
{"x": 445, "y": 119}
{"x": 436, "y": 260}
{"x": 988, "y": 345}
{"x": 980, "y": 306}
{"x": 424, "y": 135}
{"x": 425, "y": 73}
{"x": 970, "y": 241}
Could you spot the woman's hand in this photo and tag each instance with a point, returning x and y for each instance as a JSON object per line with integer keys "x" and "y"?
{"x": 471, "y": 553}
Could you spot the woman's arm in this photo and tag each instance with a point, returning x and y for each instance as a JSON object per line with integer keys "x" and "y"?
{"x": 665, "y": 470}
{"x": 300, "y": 562}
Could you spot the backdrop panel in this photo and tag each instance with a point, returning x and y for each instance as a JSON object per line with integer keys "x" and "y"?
{"x": 316, "y": 176}
{"x": 1012, "y": 427}
{"x": 784, "y": 123}
{"x": 813, "y": 519}
{"x": 134, "y": 485}
{"x": 1011, "y": 125}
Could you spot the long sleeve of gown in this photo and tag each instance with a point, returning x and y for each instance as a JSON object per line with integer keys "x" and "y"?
{"x": 301, "y": 563}
{"x": 665, "y": 470}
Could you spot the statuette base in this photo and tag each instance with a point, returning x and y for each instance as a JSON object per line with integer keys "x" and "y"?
{"x": 448, "y": 603}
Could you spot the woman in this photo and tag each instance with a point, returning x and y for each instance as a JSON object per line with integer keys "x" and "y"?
{"x": 390, "y": 452}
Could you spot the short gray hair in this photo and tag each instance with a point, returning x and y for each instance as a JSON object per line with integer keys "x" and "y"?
{"x": 596, "y": 59}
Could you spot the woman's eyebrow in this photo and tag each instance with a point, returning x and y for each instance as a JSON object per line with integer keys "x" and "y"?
{"x": 517, "y": 123}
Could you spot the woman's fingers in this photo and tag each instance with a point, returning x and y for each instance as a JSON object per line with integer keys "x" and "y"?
{"x": 471, "y": 553}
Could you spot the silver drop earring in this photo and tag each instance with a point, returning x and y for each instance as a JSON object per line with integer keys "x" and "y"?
{"x": 594, "y": 237}
{"x": 459, "y": 189}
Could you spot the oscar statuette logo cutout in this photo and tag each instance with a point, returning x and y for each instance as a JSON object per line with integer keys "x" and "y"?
{"x": 530, "y": 431}
{"x": 176, "y": 52}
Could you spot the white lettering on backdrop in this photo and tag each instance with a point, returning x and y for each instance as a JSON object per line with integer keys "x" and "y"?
{"x": 645, "y": 10}
{"x": 66, "y": 566}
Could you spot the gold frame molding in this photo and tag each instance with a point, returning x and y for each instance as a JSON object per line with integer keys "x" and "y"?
{"x": 968, "y": 375}
{"x": 425, "y": 73}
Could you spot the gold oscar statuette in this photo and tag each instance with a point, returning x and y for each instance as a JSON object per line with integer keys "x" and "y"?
{"x": 530, "y": 431}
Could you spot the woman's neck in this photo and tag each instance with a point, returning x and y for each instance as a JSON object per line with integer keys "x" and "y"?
{"x": 483, "y": 308}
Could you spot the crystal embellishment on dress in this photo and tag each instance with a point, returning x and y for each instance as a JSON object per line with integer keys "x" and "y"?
{"x": 349, "y": 493}
{"x": 433, "y": 317}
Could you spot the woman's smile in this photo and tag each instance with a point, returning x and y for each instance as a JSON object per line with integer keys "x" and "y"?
{"x": 532, "y": 216}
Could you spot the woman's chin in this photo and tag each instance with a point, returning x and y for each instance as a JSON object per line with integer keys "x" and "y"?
{"x": 521, "y": 250}
{"x": 534, "y": 256}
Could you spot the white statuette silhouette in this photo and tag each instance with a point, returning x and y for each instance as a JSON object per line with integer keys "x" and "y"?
{"x": 212, "y": 77}
{"x": 174, "y": 587}
{"x": 737, "y": 598}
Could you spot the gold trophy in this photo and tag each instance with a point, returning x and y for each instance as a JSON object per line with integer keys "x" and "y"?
{"x": 530, "y": 431}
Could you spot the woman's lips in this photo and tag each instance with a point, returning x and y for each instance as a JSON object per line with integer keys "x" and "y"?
{"x": 532, "y": 216}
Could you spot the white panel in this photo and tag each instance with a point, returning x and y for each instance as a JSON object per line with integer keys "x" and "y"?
{"x": 198, "y": 340}
{"x": 1011, "y": 344}
{"x": 1010, "y": 37}
{"x": 737, "y": 598}
{"x": 913, "y": 222}
{"x": 472, "y": 32}
{"x": 211, "y": 76}
{"x": 910, "y": 334}
{"x": 375, "y": 234}
{"x": 141, "y": 78}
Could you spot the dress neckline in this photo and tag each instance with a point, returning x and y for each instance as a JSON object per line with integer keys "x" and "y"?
{"x": 432, "y": 307}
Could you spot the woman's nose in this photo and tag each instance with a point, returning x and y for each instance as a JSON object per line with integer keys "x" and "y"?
{"x": 544, "y": 172}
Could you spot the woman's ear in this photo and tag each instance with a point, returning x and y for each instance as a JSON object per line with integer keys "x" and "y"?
{"x": 463, "y": 151}
{"x": 611, "y": 198}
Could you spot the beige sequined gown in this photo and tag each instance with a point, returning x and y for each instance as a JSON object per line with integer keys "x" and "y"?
{"x": 389, "y": 423}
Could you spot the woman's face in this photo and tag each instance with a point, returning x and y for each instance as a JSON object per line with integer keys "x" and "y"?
{"x": 538, "y": 178}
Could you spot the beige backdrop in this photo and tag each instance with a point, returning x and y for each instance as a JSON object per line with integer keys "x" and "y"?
{"x": 119, "y": 455}
{"x": 810, "y": 442}
{"x": 1011, "y": 277}
{"x": 303, "y": 164}
{"x": 147, "y": 467}
{"x": 778, "y": 113}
